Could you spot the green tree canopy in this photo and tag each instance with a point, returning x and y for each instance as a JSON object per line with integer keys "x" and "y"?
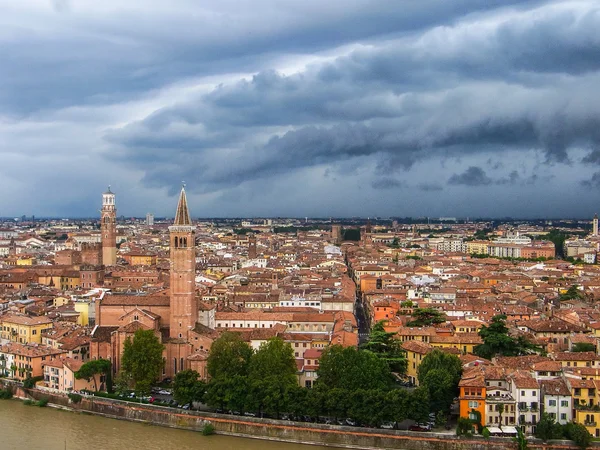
{"x": 142, "y": 361}
{"x": 440, "y": 374}
{"x": 387, "y": 347}
{"x": 573, "y": 293}
{"x": 547, "y": 428}
{"x": 496, "y": 341}
{"x": 187, "y": 387}
{"x": 578, "y": 433}
{"x": 581, "y": 347}
{"x": 229, "y": 356}
{"x": 90, "y": 369}
{"x": 272, "y": 376}
{"x": 424, "y": 317}
{"x": 352, "y": 369}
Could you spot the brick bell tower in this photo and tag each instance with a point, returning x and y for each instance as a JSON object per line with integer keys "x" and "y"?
{"x": 108, "y": 218}
{"x": 184, "y": 313}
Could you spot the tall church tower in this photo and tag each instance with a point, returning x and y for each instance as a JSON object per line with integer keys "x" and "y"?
{"x": 108, "y": 218}
{"x": 595, "y": 225}
{"x": 184, "y": 311}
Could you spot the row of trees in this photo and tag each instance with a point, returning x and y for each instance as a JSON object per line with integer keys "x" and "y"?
{"x": 356, "y": 383}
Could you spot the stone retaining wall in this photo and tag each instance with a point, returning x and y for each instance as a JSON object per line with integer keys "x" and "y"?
{"x": 330, "y": 435}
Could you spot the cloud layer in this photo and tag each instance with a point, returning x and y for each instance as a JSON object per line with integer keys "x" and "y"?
{"x": 352, "y": 108}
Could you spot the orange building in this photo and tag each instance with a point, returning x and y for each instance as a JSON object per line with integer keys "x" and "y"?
{"x": 472, "y": 395}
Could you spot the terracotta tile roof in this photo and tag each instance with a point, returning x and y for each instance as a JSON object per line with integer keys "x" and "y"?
{"x": 417, "y": 347}
{"x": 135, "y": 300}
{"x": 102, "y": 334}
{"x": 576, "y": 356}
{"x": 555, "y": 387}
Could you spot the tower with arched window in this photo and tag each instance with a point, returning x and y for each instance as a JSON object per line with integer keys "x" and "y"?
{"x": 108, "y": 218}
{"x": 183, "y": 306}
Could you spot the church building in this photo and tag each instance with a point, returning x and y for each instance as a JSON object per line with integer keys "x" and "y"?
{"x": 172, "y": 314}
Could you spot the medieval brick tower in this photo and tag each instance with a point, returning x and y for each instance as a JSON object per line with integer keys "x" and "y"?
{"x": 184, "y": 311}
{"x": 108, "y": 219}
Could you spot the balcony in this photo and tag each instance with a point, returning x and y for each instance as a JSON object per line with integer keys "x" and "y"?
{"x": 589, "y": 424}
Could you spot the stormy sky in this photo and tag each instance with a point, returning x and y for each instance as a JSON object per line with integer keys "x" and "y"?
{"x": 301, "y": 108}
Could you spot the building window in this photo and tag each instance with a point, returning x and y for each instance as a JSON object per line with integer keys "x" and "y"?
{"x": 564, "y": 403}
{"x": 551, "y": 402}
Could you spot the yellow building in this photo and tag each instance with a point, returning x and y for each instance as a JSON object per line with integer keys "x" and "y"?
{"x": 140, "y": 259}
{"x": 24, "y": 329}
{"x": 585, "y": 401}
{"x": 415, "y": 352}
{"x": 85, "y": 310}
{"x": 463, "y": 342}
{"x": 26, "y": 261}
{"x": 60, "y": 301}
{"x": 478, "y": 247}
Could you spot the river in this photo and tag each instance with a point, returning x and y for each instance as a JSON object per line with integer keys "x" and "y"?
{"x": 33, "y": 428}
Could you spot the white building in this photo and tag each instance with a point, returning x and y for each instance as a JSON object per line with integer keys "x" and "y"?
{"x": 556, "y": 400}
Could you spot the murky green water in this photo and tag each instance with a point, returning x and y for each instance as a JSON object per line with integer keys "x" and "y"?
{"x": 32, "y": 428}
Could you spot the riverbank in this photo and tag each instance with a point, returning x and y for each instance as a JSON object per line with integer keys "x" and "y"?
{"x": 277, "y": 430}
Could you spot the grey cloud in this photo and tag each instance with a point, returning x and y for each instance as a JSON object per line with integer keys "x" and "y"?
{"x": 430, "y": 187}
{"x": 362, "y": 104}
{"x": 512, "y": 178}
{"x": 593, "y": 182}
{"x": 386, "y": 183}
{"x": 473, "y": 176}
{"x": 388, "y": 87}
{"x": 118, "y": 54}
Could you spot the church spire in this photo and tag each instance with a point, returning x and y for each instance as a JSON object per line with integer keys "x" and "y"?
{"x": 182, "y": 216}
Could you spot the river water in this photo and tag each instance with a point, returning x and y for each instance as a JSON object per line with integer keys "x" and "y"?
{"x": 32, "y": 428}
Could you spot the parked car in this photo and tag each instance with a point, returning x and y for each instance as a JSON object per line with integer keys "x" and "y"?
{"x": 420, "y": 427}
{"x": 351, "y": 422}
{"x": 164, "y": 392}
{"x": 250, "y": 414}
{"x": 388, "y": 425}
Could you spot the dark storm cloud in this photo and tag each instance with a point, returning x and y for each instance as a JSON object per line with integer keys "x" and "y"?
{"x": 473, "y": 176}
{"x": 473, "y": 87}
{"x": 124, "y": 52}
{"x": 239, "y": 97}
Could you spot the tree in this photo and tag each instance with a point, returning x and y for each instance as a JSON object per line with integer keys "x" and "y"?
{"x": 520, "y": 440}
{"x": 386, "y": 347}
{"x": 272, "y": 376}
{"x": 496, "y": 341}
{"x": 90, "y": 369}
{"x": 229, "y": 356}
{"x": 142, "y": 361}
{"x": 352, "y": 369}
{"x": 352, "y": 234}
{"x": 424, "y": 317}
{"x": 579, "y": 434}
{"x": 440, "y": 374}
{"x": 547, "y": 428}
{"x": 581, "y": 347}
{"x": 187, "y": 387}
{"x": 573, "y": 293}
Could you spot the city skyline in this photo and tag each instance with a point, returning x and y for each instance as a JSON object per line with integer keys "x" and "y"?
{"x": 479, "y": 108}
